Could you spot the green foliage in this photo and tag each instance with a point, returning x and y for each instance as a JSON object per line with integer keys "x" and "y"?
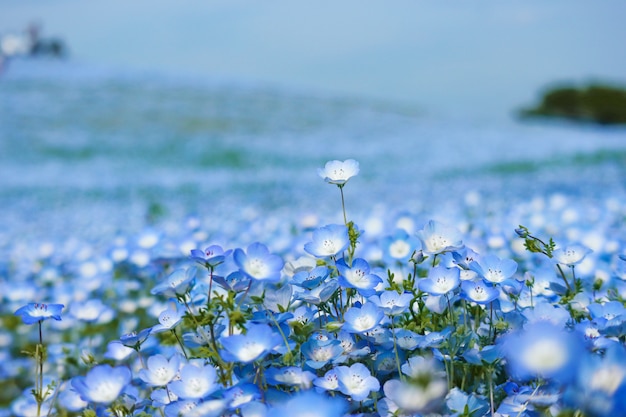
{"x": 594, "y": 103}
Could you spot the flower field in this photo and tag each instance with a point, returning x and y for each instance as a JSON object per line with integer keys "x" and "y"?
{"x": 391, "y": 315}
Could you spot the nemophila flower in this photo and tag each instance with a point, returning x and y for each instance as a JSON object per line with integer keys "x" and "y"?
{"x": 328, "y": 382}
{"x": 608, "y": 317}
{"x": 168, "y": 319}
{"x": 570, "y": 255}
{"x": 358, "y": 276}
{"x": 424, "y": 389}
{"x": 311, "y": 279}
{"x": 544, "y": 311}
{"x": 257, "y": 342}
{"x": 416, "y": 398}
{"x": 356, "y": 381}
{"x": 494, "y": 269}
{"x": 135, "y": 340}
{"x": 458, "y": 402}
{"x": 329, "y": 240}
{"x": 362, "y": 319}
{"x": 478, "y": 291}
{"x": 542, "y": 350}
{"x": 241, "y": 394}
{"x": 195, "y": 382}
{"x": 407, "y": 340}
{"x": 93, "y": 310}
{"x": 162, "y": 396}
{"x": 103, "y": 384}
{"x": 464, "y": 257}
{"x": 193, "y": 408}
{"x": 310, "y": 404}
{"x": 117, "y": 351}
{"x": 319, "y": 353}
{"x": 291, "y": 376}
{"x": 177, "y": 283}
{"x": 440, "y": 280}
{"x": 277, "y": 297}
{"x": 159, "y": 371}
{"x": 600, "y": 385}
{"x": 339, "y": 172}
{"x": 210, "y": 257}
{"x": 235, "y": 281}
{"x": 438, "y": 238}
{"x": 399, "y": 247}
{"x": 35, "y": 312}
{"x": 258, "y": 263}
{"x": 319, "y": 294}
{"x": 391, "y": 302}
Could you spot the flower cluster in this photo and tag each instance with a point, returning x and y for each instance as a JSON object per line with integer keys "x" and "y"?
{"x": 447, "y": 319}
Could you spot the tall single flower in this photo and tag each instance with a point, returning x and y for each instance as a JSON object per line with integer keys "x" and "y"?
{"x": 329, "y": 240}
{"x": 258, "y": 263}
{"x": 34, "y": 312}
{"x": 339, "y": 172}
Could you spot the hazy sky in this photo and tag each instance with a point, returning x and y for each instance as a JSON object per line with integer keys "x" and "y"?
{"x": 480, "y": 57}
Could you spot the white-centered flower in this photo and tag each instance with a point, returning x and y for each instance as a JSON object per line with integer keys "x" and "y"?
{"x": 339, "y": 172}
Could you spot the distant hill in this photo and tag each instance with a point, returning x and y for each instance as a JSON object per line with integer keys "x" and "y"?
{"x": 599, "y": 103}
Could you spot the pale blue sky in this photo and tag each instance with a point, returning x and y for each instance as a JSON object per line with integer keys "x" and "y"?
{"x": 480, "y": 58}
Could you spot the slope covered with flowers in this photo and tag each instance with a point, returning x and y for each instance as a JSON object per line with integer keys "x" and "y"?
{"x": 411, "y": 317}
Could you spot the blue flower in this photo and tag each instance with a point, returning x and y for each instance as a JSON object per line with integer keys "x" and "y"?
{"x": 542, "y": 350}
{"x": 338, "y": 172}
{"x": 458, "y": 402}
{"x": 258, "y": 263}
{"x": 159, "y": 371}
{"x": 135, "y": 340}
{"x": 356, "y": 381}
{"x": 103, "y": 384}
{"x": 311, "y": 279}
{"x": 329, "y": 240}
{"x": 177, "y": 283}
{"x": 291, "y": 376}
{"x": 494, "y": 269}
{"x": 438, "y": 238}
{"x": 168, "y": 319}
{"x": 399, "y": 247}
{"x": 35, "y": 312}
{"x": 570, "y": 255}
{"x": 318, "y": 353}
{"x": 195, "y": 382}
{"x": 362, "y": 319}
{"x": 600, "y": 385}
{"x": 358, "y": 276}
{"x": 311, "y": 404}
{"x": 440, "y": 280}
{"x": 391, "y": 302}
{"x": 478, "y": 291}
{"x": 258, "y": 341}
{"x": 211, "y": 257}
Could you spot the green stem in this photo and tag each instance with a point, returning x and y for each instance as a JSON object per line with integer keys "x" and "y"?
{"x": 564, "y": 278}
{"x": 343, "y": 205}
{"x": 395, "y": 348}
{"x": 180, "y": 343}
